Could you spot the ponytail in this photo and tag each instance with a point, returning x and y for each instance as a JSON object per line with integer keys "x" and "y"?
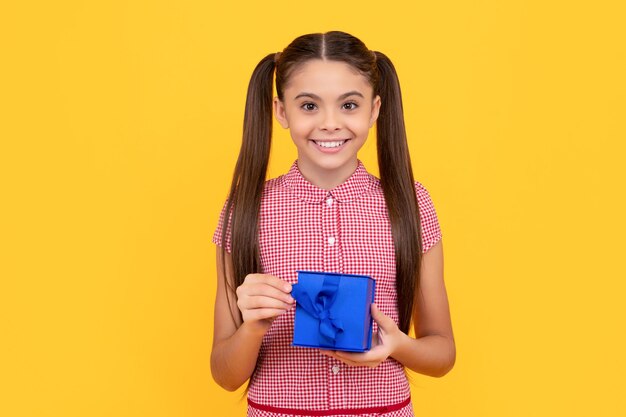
{"x": 396, "y": 176}
{"x": 242, "y": 209}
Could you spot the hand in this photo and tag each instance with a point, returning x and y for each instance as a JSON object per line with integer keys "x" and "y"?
{"x": 261, "y": 298}
{"x": 384, "y": 343}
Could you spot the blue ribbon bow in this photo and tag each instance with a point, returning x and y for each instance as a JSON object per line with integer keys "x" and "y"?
{"x": 320, "y": 308}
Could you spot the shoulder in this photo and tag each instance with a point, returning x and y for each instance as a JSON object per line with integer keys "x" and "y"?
{"x": 374, "y": 183}
{"x": 374, "y": 190}
{"x": 421, "y": 192}
{"x": 423, "y": 196}
{"x": 276, "y": 192}
{"x": 424, "y": 199}
{"x": 275, "y": 185}
{"x": 431, "y": 230}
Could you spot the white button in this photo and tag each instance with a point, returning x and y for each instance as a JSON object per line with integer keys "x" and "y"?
{"x": 329, "y": 201}
{"x": 331, "y": 241}
{"x": 335, "y": 369}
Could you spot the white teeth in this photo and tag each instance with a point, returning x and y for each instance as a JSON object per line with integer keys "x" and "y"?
{"x": 330, "y": 144}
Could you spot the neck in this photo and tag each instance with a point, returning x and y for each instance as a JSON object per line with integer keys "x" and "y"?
{"x": 327, "y": 179}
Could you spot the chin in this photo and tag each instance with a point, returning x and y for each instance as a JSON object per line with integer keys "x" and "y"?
{"x": 336, "y": 165}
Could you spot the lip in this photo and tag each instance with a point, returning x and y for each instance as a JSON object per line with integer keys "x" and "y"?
{"x": 329, "y": 150}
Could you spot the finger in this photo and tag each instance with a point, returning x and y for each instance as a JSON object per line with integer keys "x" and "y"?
{"x": 271, "y": 291}
{"x": 250, "y": 302}
{"x": 374, "y": 355}
{"x": 376, "y": 339}
{"x": 329, "y": 353}
{"x": 332, "y": 354}
{"x": 369, "y": 364}
{"x": 350, "y": 362}
{"x": 353, "y": 357}
{"x": 264, "y": 290}
{"x": 386, "y": 323}
{"x": 262, "y": 313}
{"x": 271, "y": 280}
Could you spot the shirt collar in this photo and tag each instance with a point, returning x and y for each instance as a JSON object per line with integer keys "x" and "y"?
{"x": 355, "y": 186}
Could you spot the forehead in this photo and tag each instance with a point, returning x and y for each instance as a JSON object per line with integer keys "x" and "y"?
{"x": 326, "y": 78}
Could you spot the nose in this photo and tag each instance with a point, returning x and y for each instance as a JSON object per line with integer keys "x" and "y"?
{"x": 330, "y": 121}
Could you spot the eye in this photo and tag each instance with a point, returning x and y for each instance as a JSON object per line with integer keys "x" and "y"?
{"x": 308, "y": 106}
{"x": 351, "y": 105}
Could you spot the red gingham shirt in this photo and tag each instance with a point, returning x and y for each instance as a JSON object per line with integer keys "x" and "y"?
{"x": 347, "y": 230}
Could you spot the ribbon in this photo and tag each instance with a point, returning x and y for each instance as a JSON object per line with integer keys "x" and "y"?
{"x": 320, "y": 308}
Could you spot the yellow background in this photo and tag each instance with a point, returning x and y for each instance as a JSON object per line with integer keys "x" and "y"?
{"x": 120, "y": 123}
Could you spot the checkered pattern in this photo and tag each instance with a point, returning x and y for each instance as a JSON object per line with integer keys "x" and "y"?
{"x": 346, "y": 230}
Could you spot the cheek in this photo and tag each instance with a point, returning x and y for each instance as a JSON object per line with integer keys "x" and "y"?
{"x": 361, "y": 126}
{"x": 302, "y": 126}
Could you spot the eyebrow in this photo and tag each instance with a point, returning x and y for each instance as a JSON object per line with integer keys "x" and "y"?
{"x": 341, "y": 97}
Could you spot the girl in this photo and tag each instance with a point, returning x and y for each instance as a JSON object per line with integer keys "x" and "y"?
{"x": 327, "y": 214}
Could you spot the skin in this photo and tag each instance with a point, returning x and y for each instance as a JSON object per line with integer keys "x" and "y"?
{"x": 326, "y": 100}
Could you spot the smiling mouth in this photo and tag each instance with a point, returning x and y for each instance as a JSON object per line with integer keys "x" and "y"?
{"x": 330, "y": 143}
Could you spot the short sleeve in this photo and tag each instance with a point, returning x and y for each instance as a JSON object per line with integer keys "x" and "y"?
{"x": 431, "y": 231}
{"x": 217, "y": 235}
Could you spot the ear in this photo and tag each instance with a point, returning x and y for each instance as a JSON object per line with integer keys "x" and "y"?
{"x": 375, "y": 110}
{"x": 279, "y": 112}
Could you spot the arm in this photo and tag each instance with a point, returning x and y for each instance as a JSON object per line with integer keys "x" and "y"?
{"x": 433, "y": 351}
{"x": 261, "y": 298}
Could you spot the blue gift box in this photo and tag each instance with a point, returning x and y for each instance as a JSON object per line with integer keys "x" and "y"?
{"x": 333, "y": 311}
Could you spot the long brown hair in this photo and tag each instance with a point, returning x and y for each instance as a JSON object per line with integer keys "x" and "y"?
{"x": 396, "y": 175}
